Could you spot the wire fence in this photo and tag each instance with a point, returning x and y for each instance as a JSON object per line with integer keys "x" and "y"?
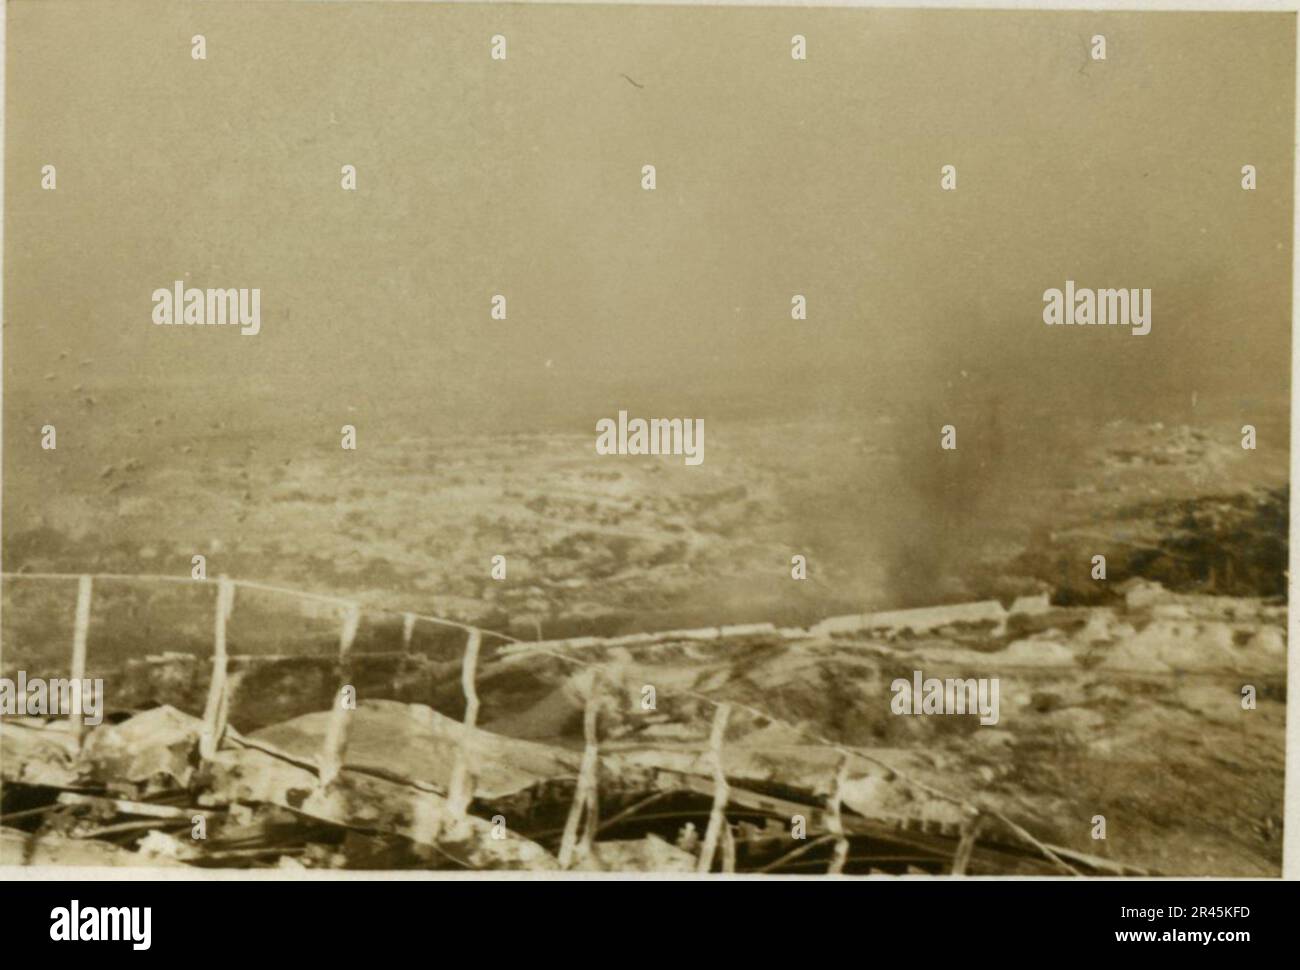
{"x": 581, "y": 825}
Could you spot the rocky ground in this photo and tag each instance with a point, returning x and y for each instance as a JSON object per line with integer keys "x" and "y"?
{"x": 1121, "y": 698}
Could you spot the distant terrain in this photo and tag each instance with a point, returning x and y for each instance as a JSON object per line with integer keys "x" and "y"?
{"x": 1122, "y": 697}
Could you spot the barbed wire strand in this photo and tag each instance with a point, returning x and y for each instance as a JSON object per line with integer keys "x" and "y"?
{"x": 536, "y": 648}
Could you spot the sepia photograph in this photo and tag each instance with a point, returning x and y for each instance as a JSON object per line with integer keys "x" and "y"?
{"x": 589, "y": 440}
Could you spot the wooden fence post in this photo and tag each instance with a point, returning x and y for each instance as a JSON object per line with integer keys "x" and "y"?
{"x": 585, "y": 794}
{"x": 835, "y": 819}
{"x": 80, "y": 632}
{"x": 336, "y": 737}
{"x": 966, "y": 846}
{"x": 460, "y": 788}
{"x": 728, "y": 849}
{"x": 717, "y": 815}
{"x": 218, "y": 705}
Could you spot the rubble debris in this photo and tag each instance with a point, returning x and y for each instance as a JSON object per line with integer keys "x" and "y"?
{"x": 124, "y": 807}
{"x": 1093, "y": 693}
{"x": 34, "y": 751}
{"x": 18, "y": 848}
{"x": 918, "y": 621}
{"x": 1140, "y": 592}
{"x": 368, "y": 803}
{"x": 650, "y": 854}
{"x": 414, "y": 743}
{"x": 1031, "y": 605}
{"x": 152, "y": 751}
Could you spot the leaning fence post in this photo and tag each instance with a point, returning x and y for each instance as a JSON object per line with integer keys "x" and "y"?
{"x": 586, "y": 791}
{"x": 966, "y": 846}
{"x": 835, "y": 819}
{"x": 336, "y": 737}
{"x": 591, "y": 758}
{"x": 408, "y": 628}
{"x": 78, "y": 672}
{"x": 214, "y": 714}
{"x": 460, "y": 789}
{"x": 717, "y": 815}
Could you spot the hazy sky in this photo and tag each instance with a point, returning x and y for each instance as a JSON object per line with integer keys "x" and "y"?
{"x": 522, "y": 177}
